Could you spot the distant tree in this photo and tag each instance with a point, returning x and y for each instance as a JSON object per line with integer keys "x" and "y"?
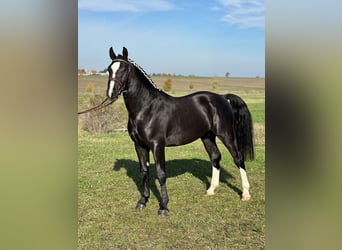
{"x": 90, "y": 87}
{"x": 214, "y": 84}
{"x": 191, "y": 85}
{"x": 227, "y": 74}
{"x": 81, "y": 71}
{"x": 93, "y": 71}
{"x": 167, "y": 85}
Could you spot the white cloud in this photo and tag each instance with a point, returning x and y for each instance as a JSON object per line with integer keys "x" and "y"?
{"x": 125, "y": 5}
{"x": 244, "y": 13}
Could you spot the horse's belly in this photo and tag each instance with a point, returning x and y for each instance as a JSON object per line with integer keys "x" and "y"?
{"x": 185, "y": 135}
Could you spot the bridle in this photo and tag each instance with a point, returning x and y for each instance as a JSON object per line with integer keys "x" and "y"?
{"x": 121, "y": 84}
{"x": 121, "y": 90}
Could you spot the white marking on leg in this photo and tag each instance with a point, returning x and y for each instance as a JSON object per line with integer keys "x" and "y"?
{"x": 147, "y": 164}
{"x": 114, "y": 68}
{"x": 215, "y": 179}
{"x": 245, "y": 185}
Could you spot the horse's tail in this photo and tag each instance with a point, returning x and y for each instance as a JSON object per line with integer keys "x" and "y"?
{"x": 243, "y": 126}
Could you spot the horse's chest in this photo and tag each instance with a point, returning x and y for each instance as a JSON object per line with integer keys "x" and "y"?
{"x": 135, "y": 131}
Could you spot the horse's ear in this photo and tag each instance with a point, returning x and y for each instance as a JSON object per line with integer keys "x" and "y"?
{"x": 111, "y": 53}
{"x": 125, "y": 53}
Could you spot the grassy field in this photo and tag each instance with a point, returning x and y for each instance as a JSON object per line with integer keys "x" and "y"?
{"x": 109, "y": 184}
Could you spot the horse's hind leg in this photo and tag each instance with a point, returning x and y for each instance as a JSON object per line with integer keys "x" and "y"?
{"x": 144, "y": 160}
{"x": 230, "y": 143}
{"x": 215, "y": 157}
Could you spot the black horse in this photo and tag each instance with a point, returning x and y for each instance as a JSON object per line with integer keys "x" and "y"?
{"x": 157, "y": 120}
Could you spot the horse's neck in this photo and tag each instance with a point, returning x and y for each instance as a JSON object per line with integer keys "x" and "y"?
{"x": 139, "y": 94}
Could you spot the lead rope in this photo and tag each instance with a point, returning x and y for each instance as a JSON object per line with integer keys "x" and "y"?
{"x": 101, "y": 105}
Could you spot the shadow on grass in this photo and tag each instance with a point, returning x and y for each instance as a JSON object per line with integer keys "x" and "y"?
{"x": 198, "y": 168}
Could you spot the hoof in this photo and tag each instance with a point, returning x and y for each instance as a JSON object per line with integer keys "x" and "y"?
{"x": 209, "y": 192}
{"x": 140, "y": 206}
{"x": 163, "y": 212}
{"x": 246, "y": 198}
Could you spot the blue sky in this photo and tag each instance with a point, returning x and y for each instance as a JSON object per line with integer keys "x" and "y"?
{"x": 190, "y": 37}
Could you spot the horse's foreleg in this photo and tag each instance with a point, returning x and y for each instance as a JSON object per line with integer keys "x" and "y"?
{"x": 159, "y": 157}
{"x": 144, "y": 160}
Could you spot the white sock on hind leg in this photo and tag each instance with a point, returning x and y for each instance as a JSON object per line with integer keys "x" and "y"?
{"x": 215, "y": 179}
{"x": 245, "y": 185}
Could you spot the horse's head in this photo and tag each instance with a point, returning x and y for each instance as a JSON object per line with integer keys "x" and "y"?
{"x": 118, "y": 73}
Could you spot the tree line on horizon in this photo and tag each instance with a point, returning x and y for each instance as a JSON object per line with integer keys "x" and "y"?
{"x": 95, "y": 72}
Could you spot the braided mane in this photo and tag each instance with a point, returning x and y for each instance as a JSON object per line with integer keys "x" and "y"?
{"x": 144, "y": 72}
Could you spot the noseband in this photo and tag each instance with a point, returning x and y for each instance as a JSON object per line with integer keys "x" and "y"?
{"x": 116, "y": 80}
{"x": 122, "y": 86}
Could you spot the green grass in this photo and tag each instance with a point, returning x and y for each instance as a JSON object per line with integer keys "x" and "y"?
{"x": 109, "y": 184}
{"x": 109, "y": 189}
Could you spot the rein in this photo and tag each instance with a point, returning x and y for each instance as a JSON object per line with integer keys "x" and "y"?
{"x": 101, "y": 105}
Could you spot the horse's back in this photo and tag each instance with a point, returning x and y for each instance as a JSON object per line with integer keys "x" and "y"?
{"x": 208, "y": 103}
{"x": 195, "y": 115}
